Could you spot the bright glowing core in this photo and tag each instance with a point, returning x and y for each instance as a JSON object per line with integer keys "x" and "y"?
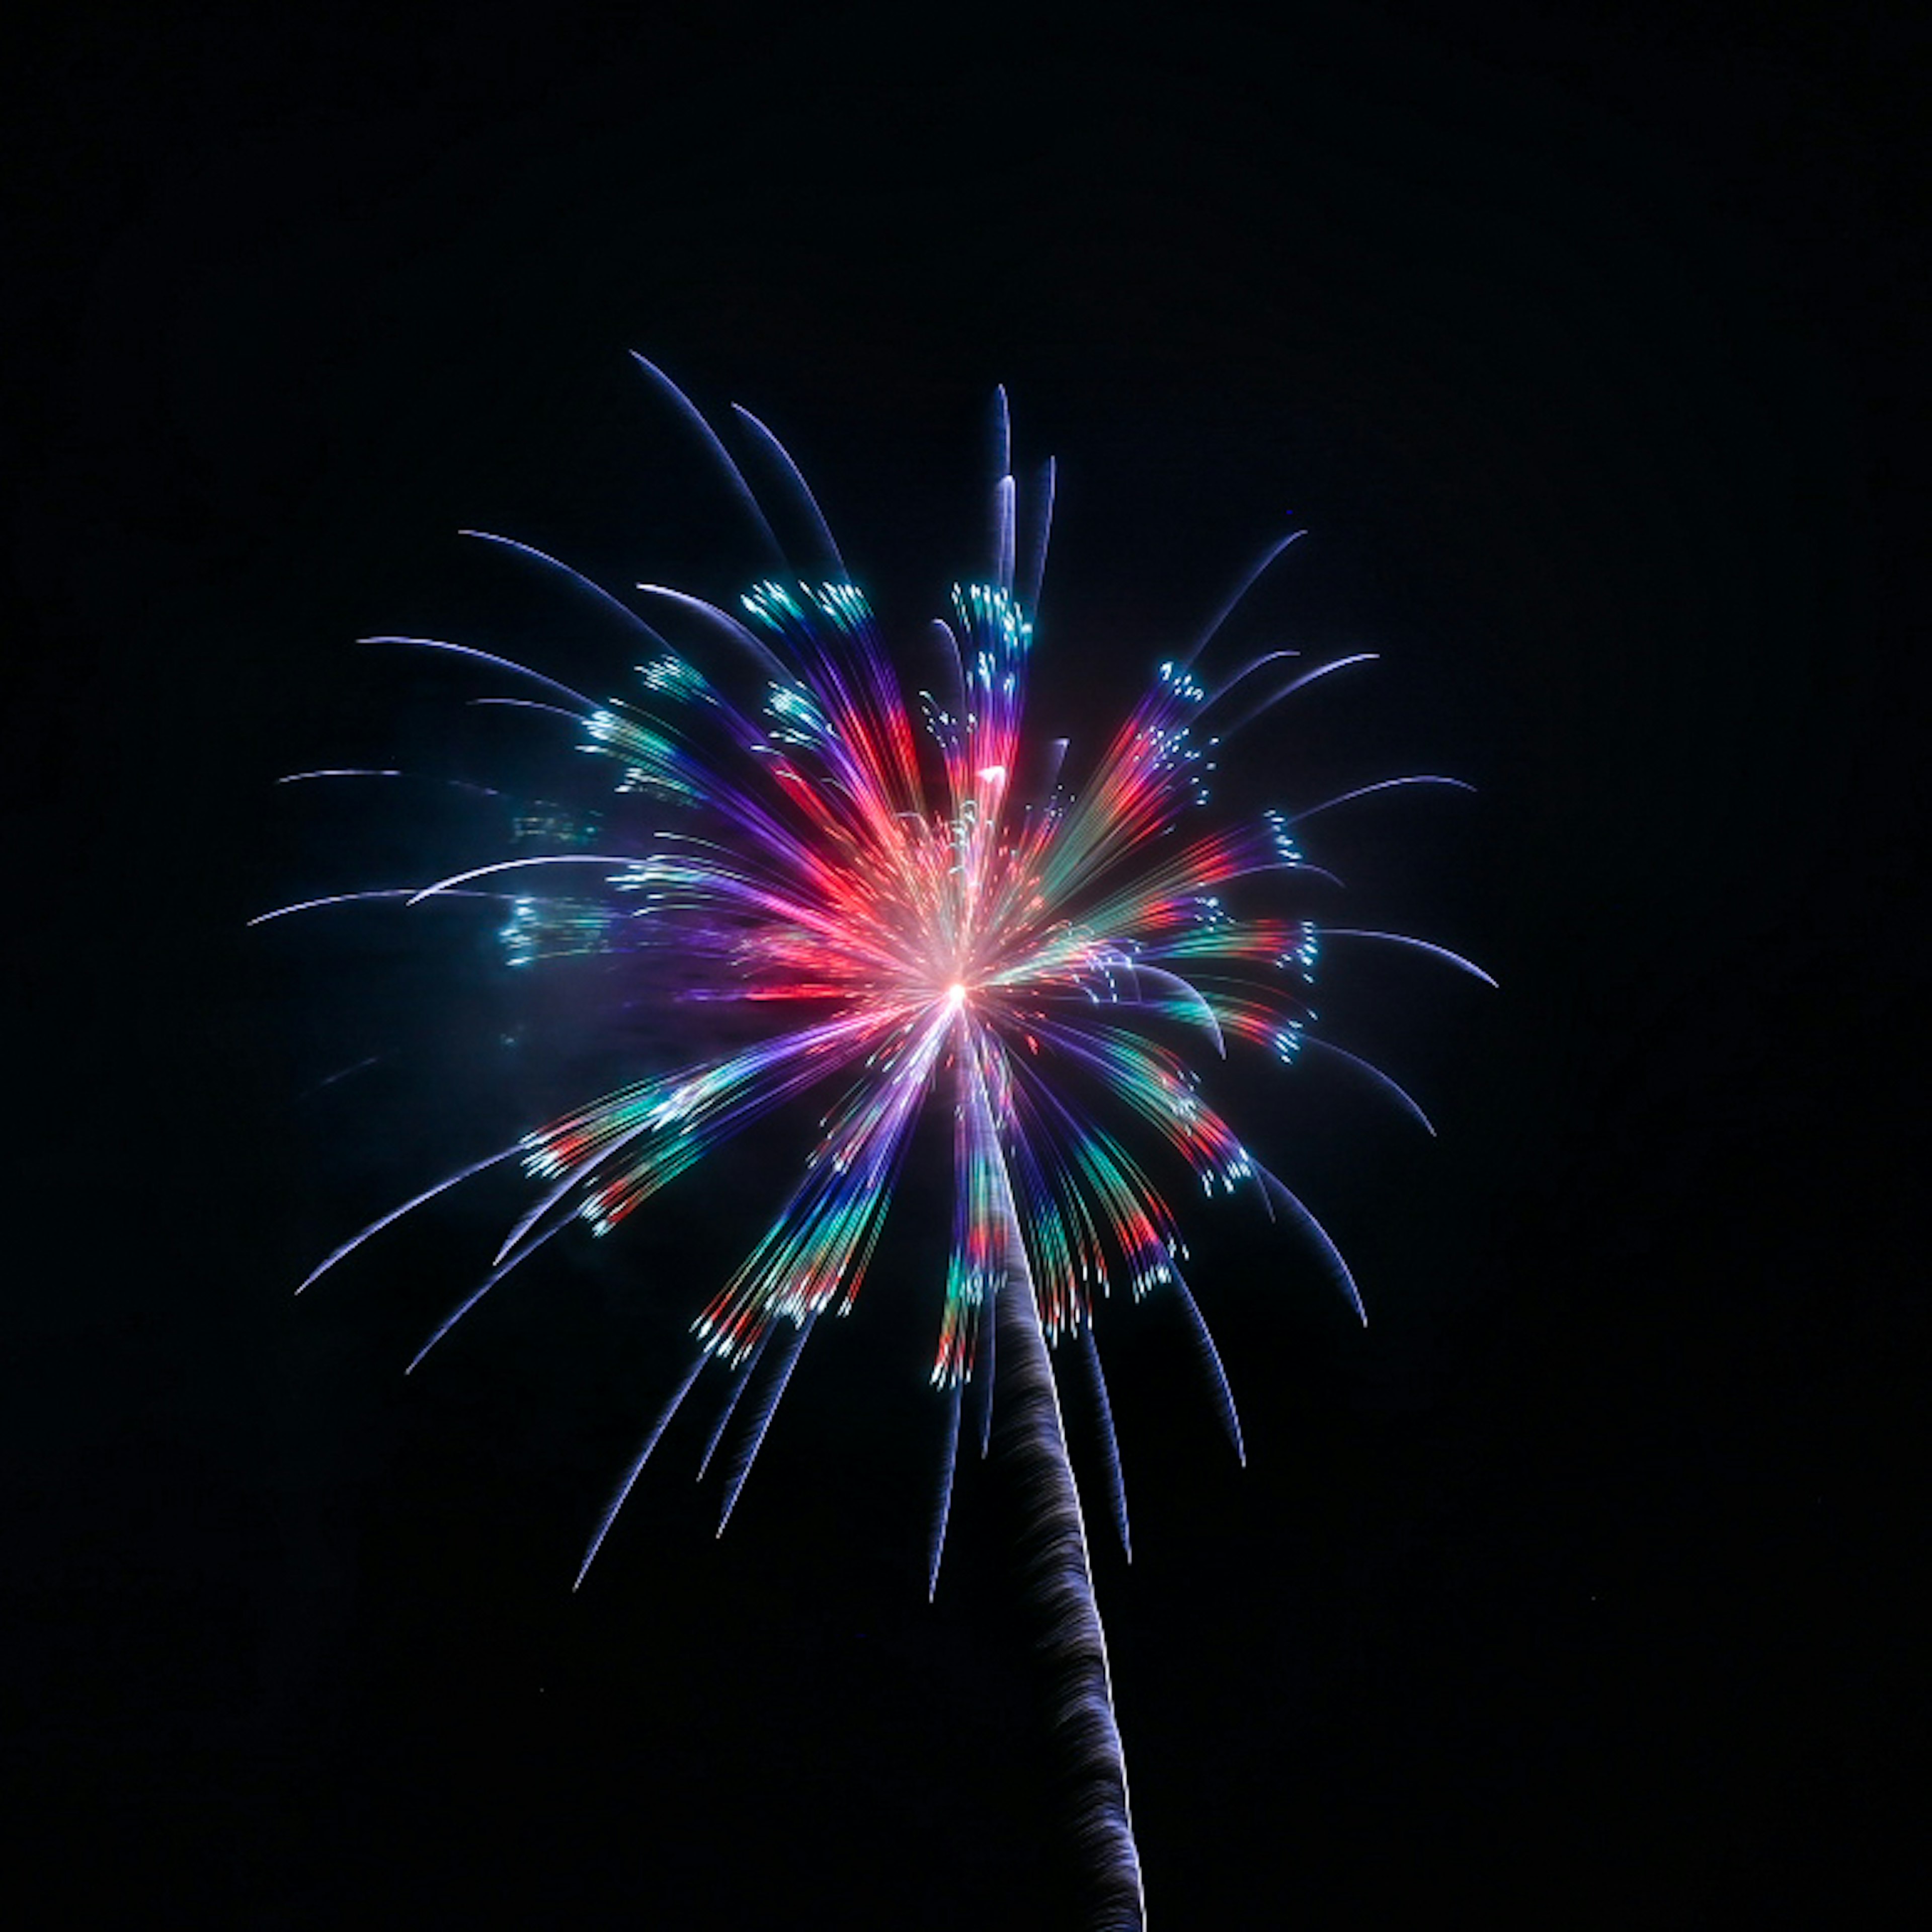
{"x": 956, "y": 994}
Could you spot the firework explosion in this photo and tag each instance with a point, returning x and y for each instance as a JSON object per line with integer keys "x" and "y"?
{"x": 928, "y": 917}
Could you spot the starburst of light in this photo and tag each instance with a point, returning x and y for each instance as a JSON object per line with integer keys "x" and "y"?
{"x": 924, "y": 914}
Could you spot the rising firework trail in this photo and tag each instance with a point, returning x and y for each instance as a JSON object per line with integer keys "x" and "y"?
{"x": 909, "y": 908}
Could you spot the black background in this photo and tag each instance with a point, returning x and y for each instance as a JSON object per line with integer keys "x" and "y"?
{"x": 1573, "y": 1589}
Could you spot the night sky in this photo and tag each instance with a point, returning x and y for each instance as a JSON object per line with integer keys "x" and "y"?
{"x": 1574, "y": 1590}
